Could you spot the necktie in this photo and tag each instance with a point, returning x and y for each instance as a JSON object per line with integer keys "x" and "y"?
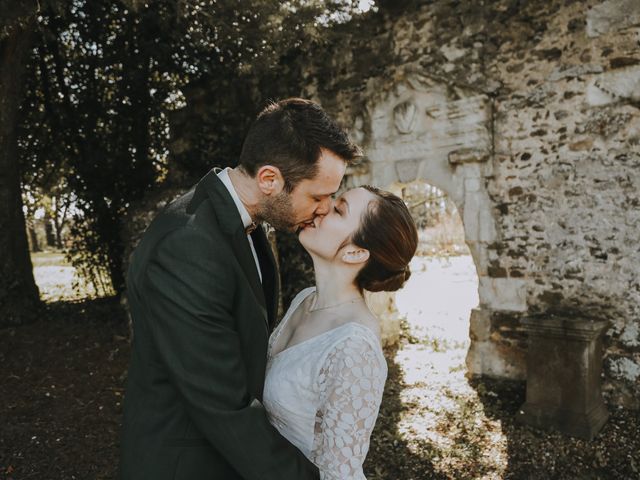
{"x": 261, "y": 243}
{"x": 251, "y": 228}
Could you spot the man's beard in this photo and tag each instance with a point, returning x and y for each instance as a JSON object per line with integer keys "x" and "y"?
{"x": 278, "y": 212}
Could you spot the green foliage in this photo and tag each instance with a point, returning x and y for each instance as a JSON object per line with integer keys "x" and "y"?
{"x": 236, "y": 60}
{"x": 107, "y": 77}
{"x": 16, "y": 15}
{"x": 87, "y": 117}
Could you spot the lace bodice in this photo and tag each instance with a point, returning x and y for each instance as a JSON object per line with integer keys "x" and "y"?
{"x": 323, "y": 394}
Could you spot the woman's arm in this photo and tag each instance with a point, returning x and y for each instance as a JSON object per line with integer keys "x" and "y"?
{"x": 352, "y": 383}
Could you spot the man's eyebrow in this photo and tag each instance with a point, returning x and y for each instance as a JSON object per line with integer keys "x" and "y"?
{"x": 320, "y": 195}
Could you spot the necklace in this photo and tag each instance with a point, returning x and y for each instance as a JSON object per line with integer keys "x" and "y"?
{"x": 352, "y": 300}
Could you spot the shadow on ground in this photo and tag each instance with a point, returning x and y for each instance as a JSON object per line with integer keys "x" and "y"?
{"x": 534, "y": 454}
{"x": 391, "y": 456}
{"x": 61, "y": 392}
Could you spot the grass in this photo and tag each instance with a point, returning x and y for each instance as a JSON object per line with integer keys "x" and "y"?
{"x": 58, "y": 280}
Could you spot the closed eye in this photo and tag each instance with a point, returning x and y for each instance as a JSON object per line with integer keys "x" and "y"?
{"x": 337, "y": 211}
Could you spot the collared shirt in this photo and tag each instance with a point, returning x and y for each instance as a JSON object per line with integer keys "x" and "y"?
{"x": 244, "y": 215}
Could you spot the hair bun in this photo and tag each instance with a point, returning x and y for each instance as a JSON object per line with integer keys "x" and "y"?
{"x": 393, "y": 282}
{"x": 388, "y": 231}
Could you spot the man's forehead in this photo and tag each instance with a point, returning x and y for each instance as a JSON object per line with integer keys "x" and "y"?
{"x": 328, "y": 178}
{"x": 319, "y": 187}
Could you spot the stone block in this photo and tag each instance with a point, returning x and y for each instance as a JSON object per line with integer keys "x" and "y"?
{"x": 471, "y": 215}
{"x": 491, "y": 360}
{"x": 487, "y": 232}
{"x": 383, "y": 306}
{"x": 613, "y": 86}
{"x": 612, "y": 15}
{"x": 472, "y": 184}
{"x": 503, "y": 293}
{"x": 564, "y": 363}
{"x": 479, "y": 325}
{"x": 480, "y": 256}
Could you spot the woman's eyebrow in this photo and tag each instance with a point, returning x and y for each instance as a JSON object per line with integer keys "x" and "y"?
{"x": 341, "y": 199}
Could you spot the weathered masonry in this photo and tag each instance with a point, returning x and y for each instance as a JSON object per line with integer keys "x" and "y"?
{"x": 528, "y": 115}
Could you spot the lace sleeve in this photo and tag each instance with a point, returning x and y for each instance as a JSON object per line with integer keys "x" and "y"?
{"x": 351, "y": 383}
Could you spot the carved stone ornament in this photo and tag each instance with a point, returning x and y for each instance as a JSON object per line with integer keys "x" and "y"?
{"x": 404, "y": 116}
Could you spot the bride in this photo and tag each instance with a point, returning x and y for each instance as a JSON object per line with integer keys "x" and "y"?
{"x": 326, "y": 370}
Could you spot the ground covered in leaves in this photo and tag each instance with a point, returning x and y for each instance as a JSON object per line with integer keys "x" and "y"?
{"x": 61, "y": 392}
{"x": 454, "y": 432}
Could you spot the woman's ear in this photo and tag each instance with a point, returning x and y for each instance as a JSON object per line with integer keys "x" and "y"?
{"x": 355, "y": 255}
{"x": 270, "y": 180}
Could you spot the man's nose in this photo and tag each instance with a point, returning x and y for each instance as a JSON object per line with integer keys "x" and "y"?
{"x": 324, "y": 207}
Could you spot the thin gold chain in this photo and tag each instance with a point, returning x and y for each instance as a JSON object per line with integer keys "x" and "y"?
{"x": 352, "y": 300}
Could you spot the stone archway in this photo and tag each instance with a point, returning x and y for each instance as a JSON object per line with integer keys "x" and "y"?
{"x": 443, "y": 135}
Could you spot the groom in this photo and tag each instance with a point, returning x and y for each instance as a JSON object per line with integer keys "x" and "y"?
{"x": 203, "y": 287}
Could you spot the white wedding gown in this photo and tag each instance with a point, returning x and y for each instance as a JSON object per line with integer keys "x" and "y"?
{"x": 323, "y": 394}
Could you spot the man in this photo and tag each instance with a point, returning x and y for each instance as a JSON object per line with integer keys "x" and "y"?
{"x": 202, "y": 288}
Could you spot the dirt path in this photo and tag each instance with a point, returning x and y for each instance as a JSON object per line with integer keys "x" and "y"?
{"x": 61, "y": 391}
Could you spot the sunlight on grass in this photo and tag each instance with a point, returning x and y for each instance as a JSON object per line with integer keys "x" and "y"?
{"x": 441, "y": 419}
{"x": 442, "y": 411}
{"x": 57, "y": 279}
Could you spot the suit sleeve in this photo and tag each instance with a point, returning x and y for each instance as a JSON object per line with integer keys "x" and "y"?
{"x": 189, "y": 293}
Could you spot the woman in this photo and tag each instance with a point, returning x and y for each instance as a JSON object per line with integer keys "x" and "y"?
{"x": 326, "y": 370}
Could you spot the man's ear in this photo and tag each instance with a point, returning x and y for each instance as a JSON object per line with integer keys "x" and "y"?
{"x": 270, "y": 180}
{"x": 355, "y": 255}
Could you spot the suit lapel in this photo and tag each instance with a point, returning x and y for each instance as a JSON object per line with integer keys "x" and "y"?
{"x": 231, "y": 224}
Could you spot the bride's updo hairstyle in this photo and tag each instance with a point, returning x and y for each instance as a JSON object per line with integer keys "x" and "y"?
{"x": 389, "y": 233}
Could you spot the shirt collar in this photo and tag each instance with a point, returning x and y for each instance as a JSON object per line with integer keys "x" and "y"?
{"x": 244, "y": 214}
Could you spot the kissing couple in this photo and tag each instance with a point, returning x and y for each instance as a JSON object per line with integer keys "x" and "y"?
{"x": 214, "y": 392}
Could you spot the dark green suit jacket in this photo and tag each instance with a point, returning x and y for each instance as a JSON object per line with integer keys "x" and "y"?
{"x": 201, "y": 321}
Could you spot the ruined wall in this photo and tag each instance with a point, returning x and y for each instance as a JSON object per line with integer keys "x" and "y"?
{"x": 536, "y": 112}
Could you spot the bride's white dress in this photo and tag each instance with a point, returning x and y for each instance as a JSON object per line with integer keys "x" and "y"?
{"x": 323, "y": 394}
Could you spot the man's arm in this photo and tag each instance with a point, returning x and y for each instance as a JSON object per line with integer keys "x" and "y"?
{"x": 188, "y": 292}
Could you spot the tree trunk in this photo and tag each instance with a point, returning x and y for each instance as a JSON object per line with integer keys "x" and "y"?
{"x": 35, "y": 244}
{"x": 19, "y": 297}
{"x": 58, "y": 232}
{"x": 48, "y": 231}
{"x": 60, "y": 219}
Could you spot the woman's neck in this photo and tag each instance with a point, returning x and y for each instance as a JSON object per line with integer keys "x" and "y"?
{"x": 334, "y": 285}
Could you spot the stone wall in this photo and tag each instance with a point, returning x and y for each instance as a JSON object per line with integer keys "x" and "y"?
{"x": 527, "y": 114}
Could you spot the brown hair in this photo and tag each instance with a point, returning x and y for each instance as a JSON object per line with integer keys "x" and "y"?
{"x": 289, "y": 135}
{"x": 388, "y": 231}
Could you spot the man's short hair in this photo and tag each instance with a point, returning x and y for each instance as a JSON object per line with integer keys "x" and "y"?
{"x": 289, "y": 135}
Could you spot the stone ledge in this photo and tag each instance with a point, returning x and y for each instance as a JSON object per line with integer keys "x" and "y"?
{"x": 563, "y": 327}
{"x": 468, "y": 155}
